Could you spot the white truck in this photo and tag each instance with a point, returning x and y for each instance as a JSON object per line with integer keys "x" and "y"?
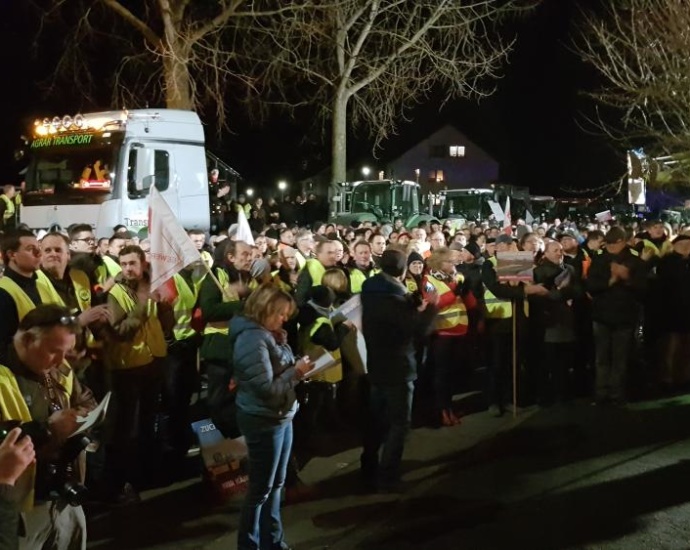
{"x": 97, "y": 168}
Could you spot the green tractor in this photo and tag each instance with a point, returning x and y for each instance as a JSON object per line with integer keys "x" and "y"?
{"x": 382, "y": 201}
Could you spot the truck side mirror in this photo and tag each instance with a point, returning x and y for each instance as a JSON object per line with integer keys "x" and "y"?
{"x": 146, "y": 183}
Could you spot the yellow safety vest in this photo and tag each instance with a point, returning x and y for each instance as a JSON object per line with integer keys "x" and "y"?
{"x": 82, "y": 291}
{"x": 451, "y": 316}
{"x": 149, "y": 341}
{"x": 9, "y": 210}
{"x": 316, "y": 270}
{"x": 497, "y": 308}
{"x": 21, "y": 299}
{"x": 111, "y": 266}
{"x": 301, "y": 260}
{"x": 13, "y": 407}
{"x": 332, "y": 375}
{"x": 229, "y": 295}
{"x": 411, "y": 284}
{"x": 207, "y": 258}
{"x": 183, "y": 308}
{"x": 357, "y": 278}
{"x": 666, "y": 247}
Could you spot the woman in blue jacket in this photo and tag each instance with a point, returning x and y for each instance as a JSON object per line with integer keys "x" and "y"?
{"x": 266, "y": 375}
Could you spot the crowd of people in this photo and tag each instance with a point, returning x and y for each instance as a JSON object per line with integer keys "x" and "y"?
{"x": 79, "y": 320}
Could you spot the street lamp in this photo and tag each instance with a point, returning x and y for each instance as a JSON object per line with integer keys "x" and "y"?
{"x": 366, "y": 171}
{"x": 250, "y": 192}
{"x": 282, "y": 185}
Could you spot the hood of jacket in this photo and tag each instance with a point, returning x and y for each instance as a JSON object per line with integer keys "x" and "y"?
{"x": 240, "y": 324}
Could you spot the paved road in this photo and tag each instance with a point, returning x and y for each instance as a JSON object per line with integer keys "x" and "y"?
{"x": 567, "y": 477}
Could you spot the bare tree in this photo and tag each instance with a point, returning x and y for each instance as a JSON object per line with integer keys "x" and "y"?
{"x": 178, "y": 52}
{"x": 641, "y": 50}
{"x": 363, "y": 63}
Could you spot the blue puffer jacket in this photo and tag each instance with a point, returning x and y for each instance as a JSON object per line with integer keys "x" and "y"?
{"x": 264, "y": 371}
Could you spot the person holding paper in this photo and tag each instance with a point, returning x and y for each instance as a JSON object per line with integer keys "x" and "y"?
{"x": 266, "y": 372}
{"x": 39, "y": 389}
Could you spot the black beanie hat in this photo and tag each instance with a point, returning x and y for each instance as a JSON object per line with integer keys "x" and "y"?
{"x": 393, "y": 262}
{"x": 473, "y": 248}
{"x": 414, "y": 257}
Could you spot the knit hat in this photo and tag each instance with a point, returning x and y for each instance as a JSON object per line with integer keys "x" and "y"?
{"x": 504, "y": 239}
{"x": 473, "y": 248}
{"x": 393, "y": 262}
{"x": 259, "y": 268}
{"x": 415, "y": 256}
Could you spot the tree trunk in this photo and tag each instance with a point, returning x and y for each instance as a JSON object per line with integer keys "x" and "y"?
{"x": 339, "y": 139}
{"x": 178, "y": 84}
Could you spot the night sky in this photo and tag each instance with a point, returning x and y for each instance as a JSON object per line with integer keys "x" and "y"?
{"x": 530, "y": 125}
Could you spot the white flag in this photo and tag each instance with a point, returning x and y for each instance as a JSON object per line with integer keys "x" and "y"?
{"x": 507, "y": 220}
{"x": 244, "y": 232}
{"x": 171, "y": 247}
{"x": 529, "y": 219}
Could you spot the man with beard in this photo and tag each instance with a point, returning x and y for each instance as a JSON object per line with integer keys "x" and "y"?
{"x": 134, "y": 354}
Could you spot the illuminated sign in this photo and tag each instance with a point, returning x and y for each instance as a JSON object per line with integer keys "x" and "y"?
{"x": 56, "y": 141}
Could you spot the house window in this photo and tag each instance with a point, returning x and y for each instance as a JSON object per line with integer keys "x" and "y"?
{"x": 438, "y": 151}
{"x": 436, "y": 176}
{"x": 456, "y": 151}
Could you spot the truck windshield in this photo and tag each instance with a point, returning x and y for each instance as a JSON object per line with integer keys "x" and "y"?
{"x": 74, "y": 169}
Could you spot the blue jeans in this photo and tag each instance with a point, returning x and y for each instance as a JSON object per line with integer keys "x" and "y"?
{"x": 269, "y": 445}
{"x": 390, "y": 416}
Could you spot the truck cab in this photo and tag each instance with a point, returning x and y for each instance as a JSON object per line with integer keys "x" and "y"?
{"x": 98, "y": 168}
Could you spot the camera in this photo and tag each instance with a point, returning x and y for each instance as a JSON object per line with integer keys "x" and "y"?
{"x": 55, "y": 477}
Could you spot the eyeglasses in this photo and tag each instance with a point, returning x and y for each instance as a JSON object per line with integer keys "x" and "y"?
{"x": 86, "y": 239}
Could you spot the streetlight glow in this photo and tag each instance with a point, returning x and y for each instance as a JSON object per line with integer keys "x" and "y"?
{"x": 366, "y": 171}
{"x": 282, "y": 185}
{"x": 250, "y": 192}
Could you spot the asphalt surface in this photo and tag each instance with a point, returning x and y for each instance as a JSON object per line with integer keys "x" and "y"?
{"x": 570, "y": 476}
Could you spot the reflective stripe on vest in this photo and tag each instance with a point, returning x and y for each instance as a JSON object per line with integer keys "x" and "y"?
{"x": 495, "y": 307}
{"x": 451, "y": 316}
{"x": 316, "y": 270}
{"x": 183, "y": 308}
{"x": 9, "y": 210}
{"x": 148, "y": 342}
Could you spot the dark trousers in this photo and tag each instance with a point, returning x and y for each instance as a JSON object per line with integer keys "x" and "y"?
{"x": 612, "y": 347}
{"x": 500, "y": 356}
{"x": 390, "y": 412}
{"x": 269, "y": 444}
{"x": 135, "y": 406}
{"x": 557, "y": 360}
{"x": 180, "y": 382}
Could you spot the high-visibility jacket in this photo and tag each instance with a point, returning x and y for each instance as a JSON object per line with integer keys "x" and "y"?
{"x": 495, "y": 307}
{"x": 13, "y": 407}
{"x": 229, "y": 295}
{"x": 316, "y": 270}
{"x": 111, "y": 266}
{"x": 333, "y": 374}
{"x": 21, "y": 299}
{"x": 9, "y": 208}
{"x": 665, "y": 248}
{"x": 82, "y": 291}
{"x": 357, "y": 278}
{"x": 451, "y": 319}
{"x": 301, "y": 260}
{"x": 183, "y": 308}
{"x": 148, "y": 343}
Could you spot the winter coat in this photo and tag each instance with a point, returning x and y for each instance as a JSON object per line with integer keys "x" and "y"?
{"x": 264, "y": 371}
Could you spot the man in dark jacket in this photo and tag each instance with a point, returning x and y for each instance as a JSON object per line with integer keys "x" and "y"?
{"x": 391, "y": 323}
{"x": 617, "y": 282}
